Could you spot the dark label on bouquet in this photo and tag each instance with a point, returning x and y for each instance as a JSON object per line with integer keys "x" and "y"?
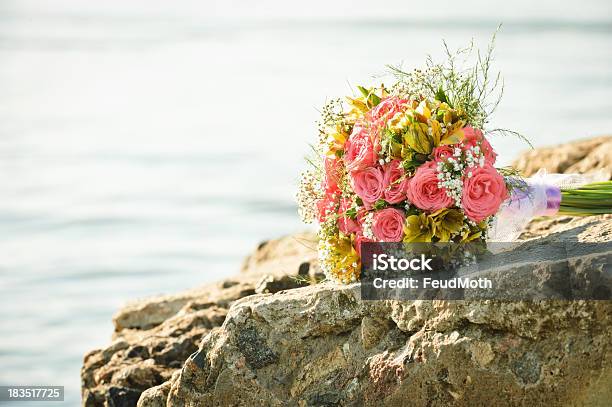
{"x": 479, "y": 271}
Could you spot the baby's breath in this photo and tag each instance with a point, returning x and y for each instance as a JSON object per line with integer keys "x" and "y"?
{"x": 452, "y": 170}
{"x": 308, "y": 194}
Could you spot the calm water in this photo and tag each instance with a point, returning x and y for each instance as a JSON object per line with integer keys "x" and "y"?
{"x": 147, "y": 149}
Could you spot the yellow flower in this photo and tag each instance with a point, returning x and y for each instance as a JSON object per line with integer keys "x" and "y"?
{"x": 368, "y": 99}
{"x": 395, "y": 150}
{"x": 450, "y": 119}
{"x": 454, "y": 134}
{"x": 473, "y": 232}
{"x": 398, "y": 122}
{"x": 406, "y": 154}
{"x": 358, "y": 108}
{"x": 418, "y": 228}
{"x": 447, "y": 222}
{"x": 423, "y": 110}
{"x": 418, "y": 139}
{"x": 436, "y": 132}
{"x": 337, "y": 136}
{"x": 338, "y": 259}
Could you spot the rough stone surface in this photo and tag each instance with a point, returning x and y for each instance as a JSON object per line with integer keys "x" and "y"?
{"x": 294, "y": 255}
{"x": 156, "y": 396}
{"x": 566, "y": 227}
{"x": 322, "y": 345}
{"x": 153, "y": 337}
{"x": 582, "y": 156}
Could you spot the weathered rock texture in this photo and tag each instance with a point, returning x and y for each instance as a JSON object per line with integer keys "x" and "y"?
{"x": 582, "y": 156}
{"x": 258, "y": 339}
{"x": 285, "y": 256}
{"x": 153, "y": 337}
{"x": 322, "y": 345}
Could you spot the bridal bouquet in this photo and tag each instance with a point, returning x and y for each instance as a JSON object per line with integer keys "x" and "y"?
{"x": 412, "y": 163}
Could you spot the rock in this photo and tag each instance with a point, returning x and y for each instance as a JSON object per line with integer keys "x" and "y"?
{"x": 372, "y": 330}
{"x": 148, "y": 313}
{"x": 322, "y": 345}
{"x": 155, "y": 396}
{"x": 574, "y": 227}
{"x": 270, "y": 284}
{"x": 278, "y": 264}
{"x": 153, "y": 337}
{"x": 294, "y": 255}
{"x": 582, "y": 156}
{"x": 142, "y": 359}
{"x": 122, "y": 397}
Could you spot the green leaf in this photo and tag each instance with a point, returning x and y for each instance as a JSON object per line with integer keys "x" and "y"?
{"x": 410, "y": 165}
{"x": 371, "y": 98}
{"x": 440, "y": 95}
{"x": 365, "y": 92}
{"x": 351, "y": 213}
{"x": 413, "y": 210}
{"x": 420, "y": 158}
{"x": 374, "y": 99}
{"x": 380, "y": 204}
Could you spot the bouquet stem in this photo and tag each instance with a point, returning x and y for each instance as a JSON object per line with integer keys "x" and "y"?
{"x": 589, "y": 199}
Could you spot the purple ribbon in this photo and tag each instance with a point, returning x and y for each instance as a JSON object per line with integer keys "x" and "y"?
{"x": 553, "y": 200}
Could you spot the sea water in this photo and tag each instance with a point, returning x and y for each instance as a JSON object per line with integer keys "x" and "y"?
{"x": 146, "y": 147}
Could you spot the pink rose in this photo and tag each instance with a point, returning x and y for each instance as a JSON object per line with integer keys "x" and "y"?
{"x": 423, "y": 190}
{"x": 483, "y": 192}
{"x": 347, "y": 225}
{"x": 369, "y": 185}
{"x": 359, "y": 238}
{"x": 473, "y": 137}
{"x": 395, "y": 190}
{"x": 443, "y": 153}
{"x": 388, "y": 225}
{"x": 387, "y": 108}
{"x": 361, "y": 148}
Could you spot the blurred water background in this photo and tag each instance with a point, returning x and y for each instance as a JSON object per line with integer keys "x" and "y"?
{"x": 147, "y": 146}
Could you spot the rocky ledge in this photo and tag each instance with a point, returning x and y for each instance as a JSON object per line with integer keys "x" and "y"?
{"x": 154, "y": 337}
{"x": 581, "y": 156}
{"x": 268, "y": 337}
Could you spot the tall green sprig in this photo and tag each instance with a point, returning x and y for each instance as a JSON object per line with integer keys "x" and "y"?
{"x": 465, "y": 80}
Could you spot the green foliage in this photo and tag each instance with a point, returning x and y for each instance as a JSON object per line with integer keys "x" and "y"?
{"x": 465, "y": 81}
{"x": 506, "y": 132}
{"x": 590, "y": 199}
{"x": 351, "y": 213}
{"x": 371, "y": 98}
{"x": 315, "y": 160}
{"x": 440, "y": 95}
{"x": 380, "y": 204}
